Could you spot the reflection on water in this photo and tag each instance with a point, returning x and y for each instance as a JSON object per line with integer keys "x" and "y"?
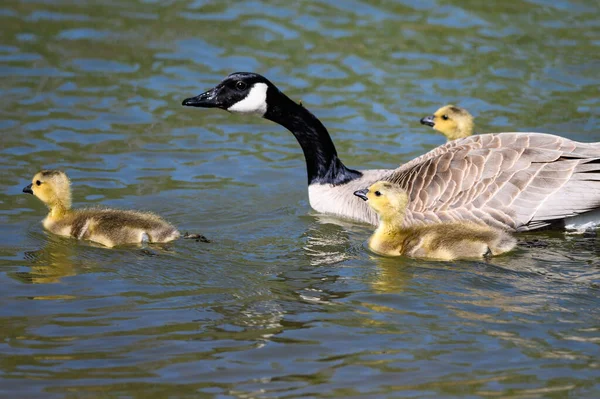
{"x": 283, "y": 302}
{"x": 48, "y": 265}
{"x": 393, "y": 275}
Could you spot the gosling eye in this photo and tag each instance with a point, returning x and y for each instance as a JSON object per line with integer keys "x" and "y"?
{"x": 38, "y": 183}
{"x": 377, "y": 193}
{"x": 445, "y": 117}
{"x": 240, "y": 85}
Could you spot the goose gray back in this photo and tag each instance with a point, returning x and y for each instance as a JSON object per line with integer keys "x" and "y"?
{"x": 516, "y": 181}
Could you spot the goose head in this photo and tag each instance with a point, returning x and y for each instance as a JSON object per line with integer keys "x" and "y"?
{"x": 452, "y": 121}
{"x": 387, "y": 199}
{"x": 52, "y": 187}
{"x": 240, "y": 92}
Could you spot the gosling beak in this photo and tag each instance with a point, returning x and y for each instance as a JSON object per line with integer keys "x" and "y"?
{"x": 362, "y": 194}
{"x": 428, "y": 120}
{"x": 27, "y": 189}
{"x": 205, "y": 100}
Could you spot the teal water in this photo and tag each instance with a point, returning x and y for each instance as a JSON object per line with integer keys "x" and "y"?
{"x": 283, "y": 302}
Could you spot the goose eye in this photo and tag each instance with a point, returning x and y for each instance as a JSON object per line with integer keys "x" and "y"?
{"x": 240, "y": 85}
{"x": 37, "y": 182}
{"x": 445, "y": 117}
{"x": 377, "y": 193}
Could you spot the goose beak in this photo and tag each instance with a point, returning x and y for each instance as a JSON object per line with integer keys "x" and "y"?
{"x": 205, "y": 100}
{"x": 27, "y": 189}
{"x": 428, "y": 120}
{"x": 362, "y": 194}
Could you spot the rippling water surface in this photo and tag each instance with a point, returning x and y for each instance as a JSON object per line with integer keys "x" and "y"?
{"x": 283, "y": 302}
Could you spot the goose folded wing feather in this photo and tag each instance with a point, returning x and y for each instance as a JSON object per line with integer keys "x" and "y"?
{"x": 504, "y": 173}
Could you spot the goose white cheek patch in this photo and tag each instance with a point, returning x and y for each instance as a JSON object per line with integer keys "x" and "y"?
{"x": 254, "y": 103}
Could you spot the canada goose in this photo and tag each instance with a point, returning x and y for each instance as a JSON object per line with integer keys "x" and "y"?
{"x": 452, "y": 121}
{"x": 109, "y": 227}
{"x": 444, "y": 241}
{"x": 516, "y": 181}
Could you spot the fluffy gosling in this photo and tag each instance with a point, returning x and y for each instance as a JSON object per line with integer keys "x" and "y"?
{"x": 109, "y": 227}
{"x": 442, "y": 241}
{"x": 452, "y": 121}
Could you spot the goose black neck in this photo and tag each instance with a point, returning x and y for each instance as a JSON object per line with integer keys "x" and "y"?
{"x": 322, "y": 163}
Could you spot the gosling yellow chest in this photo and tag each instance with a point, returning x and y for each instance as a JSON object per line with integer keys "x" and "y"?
{"x": 54, "y": 225}
{"x": 390, "y": 243}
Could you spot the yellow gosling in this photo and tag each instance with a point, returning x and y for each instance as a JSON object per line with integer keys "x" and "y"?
{"x": 442, "y": 241}
{"x": 109, "y": 227}
{"x": 452, "y": 121}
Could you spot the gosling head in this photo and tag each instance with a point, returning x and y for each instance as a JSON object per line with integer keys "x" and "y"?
{"x": 52, "y": 187}
{"x": 240, "y": 92}
{"x": 387, "y": 199}
{"x": 452, "y": 121}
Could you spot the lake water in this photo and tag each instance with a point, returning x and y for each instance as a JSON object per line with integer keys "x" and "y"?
{"x": 283, "y": 302}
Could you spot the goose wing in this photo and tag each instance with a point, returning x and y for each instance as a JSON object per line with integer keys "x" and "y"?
{"x": 520, "y": 181}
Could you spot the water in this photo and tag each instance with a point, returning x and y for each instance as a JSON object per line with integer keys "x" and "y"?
{"x": 283, "y": 302}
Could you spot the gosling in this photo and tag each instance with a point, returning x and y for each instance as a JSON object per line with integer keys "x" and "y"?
{"x": 441, "y": 241}
{"x": 452, "y": 121}
{"x": 109, "y": 227}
